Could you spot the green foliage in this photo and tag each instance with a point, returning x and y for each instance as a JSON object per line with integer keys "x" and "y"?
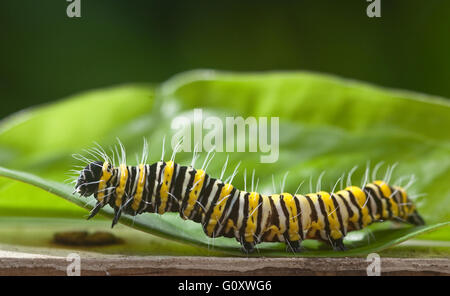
{"x": 326, "y": 123}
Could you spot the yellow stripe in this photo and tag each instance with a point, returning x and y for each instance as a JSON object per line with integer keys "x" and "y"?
{"x": 384, "y": 207}
{"x": 405, "y": 201}
{"x": 410, "y": 208}
{"x": 219, "y": 208}
{"x": 361, "y": 198}
{"x": 123, "y": 182}
{"x": 166, "y": 181}
{"x": 273, "y": 229}
{"x": 230, "y": 224}
{"x": 106, "y": 175}
{"x": 384, "y": 188}
{"x": 332, "y": 217}
{"x": 193, "y": 194}
{"x": 252, "y": 219}
{"x": 389, "y": 194}
{"x": 289, "y": 201}
{"x": 320, "y": 224}
{"x": 404, "y": 205}
{"x": 140, "y": 188}
{"x": 354, "y": 219}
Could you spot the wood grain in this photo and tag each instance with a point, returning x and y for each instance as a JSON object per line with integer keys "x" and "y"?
{"x": 17, "y": 263}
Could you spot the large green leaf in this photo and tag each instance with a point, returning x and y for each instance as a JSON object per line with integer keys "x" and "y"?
{"x": 326, "y": 123}
{"x": 332, "y": 124}
{"x": 43, "y": 139}
{"x": 172, "y": 229}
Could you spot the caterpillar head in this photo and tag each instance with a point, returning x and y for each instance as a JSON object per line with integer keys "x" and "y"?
{"x": 411, "y": 214}
{"x": 407, "y": 208}
{"x": 414, "y": 218}
{"x": 87, "y": 182}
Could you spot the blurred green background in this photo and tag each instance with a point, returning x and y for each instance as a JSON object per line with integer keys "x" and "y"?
{"x": 46, "y": 56}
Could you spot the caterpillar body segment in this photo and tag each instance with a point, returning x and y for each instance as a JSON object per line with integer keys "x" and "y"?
{"x": 249, "y": 217}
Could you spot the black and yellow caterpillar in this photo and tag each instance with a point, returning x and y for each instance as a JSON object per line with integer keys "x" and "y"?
{"x": 250, "y": 217}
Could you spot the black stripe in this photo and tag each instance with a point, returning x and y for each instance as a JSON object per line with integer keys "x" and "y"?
{"x": 221, "y": 219}
{"x": 337, "y": 210}
{"x": 129, "y": 188}
{"x": 356, "y": 204}
{"x": 254, "y": 210}
{"x": 259, "y": 226}
{"x": 171, "y": 197}
{"x": 325, "y": 215}
{"x": 134, "y": 190}
{"x": 178, "y": 186}
{"x": 397, "y": 200}
{"x": 376, "y": 197}
{"x": 200, "y": 206}
{"x": 134, "y": 181}
{"x": 158, "y": 186}
{"x": 111, "y": 183}
{"x": 145, "y": 191}
{"x": 369, "y": 205}
{"x": 148, "y": 189}
{"x": 313, "y": 215}
{"x": 214, "y": 200}
{"x": 299, "y": 217}
{"x": 347, "y": 206}
{"x": 286, "y": 214}
{"x": 245, "y": 216}
{"x": 191, "y": 176}
{"x": 112, "y": 201}
{"x": 349, "y": 210}
{"x": 234, "y": 215}
{"x": 205, "y": 190}
{"x": 275, "y": 218}
{"x": 388, "y": 202}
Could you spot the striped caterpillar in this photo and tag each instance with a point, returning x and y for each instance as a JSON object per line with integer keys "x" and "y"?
{"x": 250, "y": 217}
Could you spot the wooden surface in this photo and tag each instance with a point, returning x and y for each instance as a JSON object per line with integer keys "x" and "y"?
{"x": 18, "y": 263}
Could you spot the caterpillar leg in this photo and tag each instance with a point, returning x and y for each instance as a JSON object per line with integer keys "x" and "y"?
{"x": 117, "y": 214}
{"x": 338, "y": 244}
{"x": 247, "y": 247}
{"x": 292, "y": 246}
{"x": 95, "y": 210}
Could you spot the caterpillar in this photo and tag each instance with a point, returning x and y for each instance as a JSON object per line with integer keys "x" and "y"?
{"x": 249, "y": 217}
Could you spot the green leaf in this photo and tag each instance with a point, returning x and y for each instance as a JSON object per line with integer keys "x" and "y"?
{"x": 45, "y": 136}
{"x": 171, "y": 229}
{"x": 332, "y": 124}
{"x": 326, "y": 123}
